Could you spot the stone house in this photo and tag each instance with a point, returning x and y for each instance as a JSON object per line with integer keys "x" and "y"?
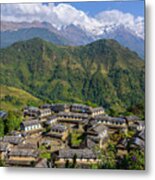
{"x": 82, "y": 156}
{"x": 30, "y": 125}
{"x": 97, "y": 135}
{"x": 58, "y": 131}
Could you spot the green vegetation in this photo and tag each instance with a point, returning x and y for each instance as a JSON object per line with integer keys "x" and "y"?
{"x": 76, "y": 137}
{"x": 45, "y": 155}
{"x": 15, "y": 99}
{"x": 134, "y": 160}
{"x": 1, "y": 127}
{"x": 103, "y": 73}
{"x": 11, "y": 123}
{"x": 107, "y": 157}
{"x": 2, "y": 163}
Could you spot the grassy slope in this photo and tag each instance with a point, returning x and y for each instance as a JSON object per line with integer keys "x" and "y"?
{"x": 13, "y": 98}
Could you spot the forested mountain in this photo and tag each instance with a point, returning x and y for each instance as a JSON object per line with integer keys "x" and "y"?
{"x": 103, "y": 73}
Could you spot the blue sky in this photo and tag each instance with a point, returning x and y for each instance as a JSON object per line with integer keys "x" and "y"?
{"x": 92, "y": 8}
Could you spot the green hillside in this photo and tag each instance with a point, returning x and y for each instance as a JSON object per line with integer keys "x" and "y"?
{"x": 12, "y": 98}
{"x": 103, "y": 72}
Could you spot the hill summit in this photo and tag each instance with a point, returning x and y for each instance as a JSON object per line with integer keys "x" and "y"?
{"x": 103, "y": 73}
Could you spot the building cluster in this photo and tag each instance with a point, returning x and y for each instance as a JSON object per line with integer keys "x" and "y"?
{"x": 48, "y": 129}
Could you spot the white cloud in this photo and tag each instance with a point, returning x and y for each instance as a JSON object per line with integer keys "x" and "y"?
{"x": 116, "y": 18}
{"x": 64, "y": 14}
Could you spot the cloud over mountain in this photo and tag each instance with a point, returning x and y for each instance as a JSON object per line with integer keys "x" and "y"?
{"x": 62, "y": 15}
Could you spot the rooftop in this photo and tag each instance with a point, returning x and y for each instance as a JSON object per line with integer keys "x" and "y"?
{"x": 30, "y": 122}
{"x": 32, "y": 108}
{"x": 82, "y": 115}
{"x": 99, "y": 128}
{"x": 59, "y": 128}
{"x": 24, "y": 153}
{"x": 80, "y": 153}
{"x": 80, "y": 106}
{"x": 131, "y": 118}
{"x": 112, "y": 119}
{"x": 27, "y": 146}
{"x": 97, "y": 109}
{"x": 11, "y": 139}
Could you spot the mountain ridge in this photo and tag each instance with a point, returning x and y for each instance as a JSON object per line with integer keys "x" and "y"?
{"x": 70, "y": 35}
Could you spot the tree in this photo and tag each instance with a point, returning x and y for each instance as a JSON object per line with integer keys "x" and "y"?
{"x": 1, "y": 127}
{"x": 74, "y": 161}
{"x": 2, "y": 163}
{"x": 13, "y": 121}
{"x": 134, "y": 160}
{"x": 67, "y": 164}
{"x": 107, "y": 157}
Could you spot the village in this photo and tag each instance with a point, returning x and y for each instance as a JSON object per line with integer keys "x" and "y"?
{"x": 54, "y": 135}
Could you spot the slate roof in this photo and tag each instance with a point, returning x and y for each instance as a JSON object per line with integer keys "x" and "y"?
{"x": 51, "y": 117}
{"x": 140, "y": 123}
{"x": 97, "y": 109}
{"x": 80, "y": 106}
{"x": 131, "y": 118}
{"x": 27, "y": 146}
{"x": 45, "y": 110}
{"x": 59, "y": 127}
{"x": 30, "y": 122}
{"x": 11, "y": 139}
{"x": 71, "y": 114}
{"x": 80, "y": 153}
{"x": 24, "y": 153}
{"x": 60, "y": 105}
{"x": 111, "y": 119}
{"x": 44, "y": 106}
{"x": 99, "y": 128}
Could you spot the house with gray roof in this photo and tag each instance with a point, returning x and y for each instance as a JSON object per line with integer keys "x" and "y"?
{"x": 44, "y": 112}
{"x": 60, "y": 107}
{"x": 97, "y": 111}
{"x": 51, "y": 120}
{"x": 22, "y": 157}
{"x": 98, "y": 134}
{"x": 30, "y": 125}
{"x": 15, "y": 140}
{"x": 82, "y": 156}
{"x": 111, "y": 122}
{"x": 72, "y": 116}
{"x": 80, "y": 108}
{"x": 131, "y": 119}
{"x": 59, "y": 131}
{"x": 37, "y": 112}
